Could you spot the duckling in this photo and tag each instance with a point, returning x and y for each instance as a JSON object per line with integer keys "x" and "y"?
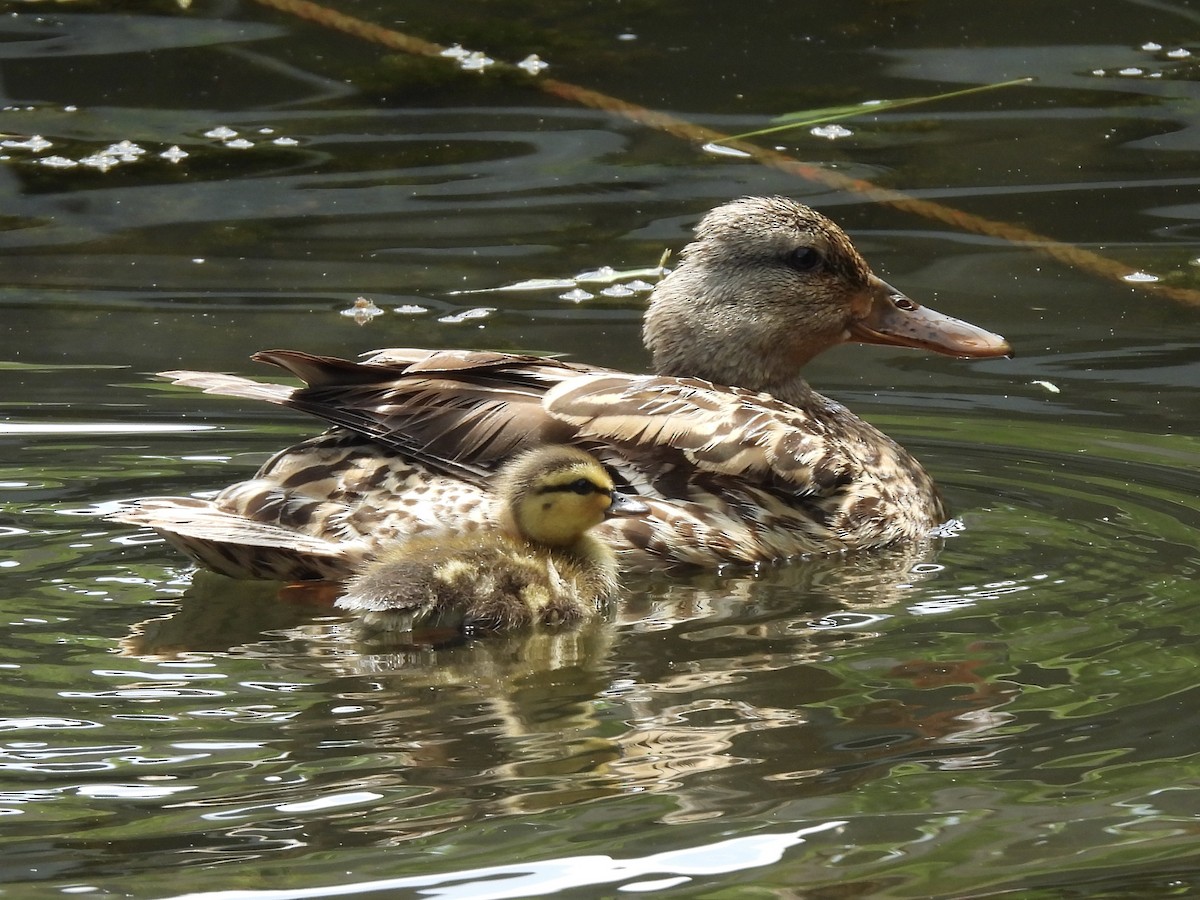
{"x": 739, "y": 460}
{"x": 537, "y": 566}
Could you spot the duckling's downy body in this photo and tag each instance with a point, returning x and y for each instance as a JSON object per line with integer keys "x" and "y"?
{"x": 762, "y": 471}
{"x": 538, "y": 566}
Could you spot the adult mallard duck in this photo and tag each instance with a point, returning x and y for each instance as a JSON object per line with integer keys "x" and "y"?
{"x": 766, "y": 470}
{"x": 537, "y": 566}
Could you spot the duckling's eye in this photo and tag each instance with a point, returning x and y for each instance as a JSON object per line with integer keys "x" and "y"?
{"x": 582, "y": 486}
{"x": 805, "y": 259}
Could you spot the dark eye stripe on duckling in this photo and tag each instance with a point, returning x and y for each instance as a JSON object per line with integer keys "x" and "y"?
{"x": 581, "y": 486}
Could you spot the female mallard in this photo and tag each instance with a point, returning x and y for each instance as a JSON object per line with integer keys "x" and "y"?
{"x": 537, "y": 566}
{"x": 767, "y": 470}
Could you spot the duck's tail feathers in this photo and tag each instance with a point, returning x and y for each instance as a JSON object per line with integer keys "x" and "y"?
{"x": 232, "y": 386}
{"x": 240, "y": 547}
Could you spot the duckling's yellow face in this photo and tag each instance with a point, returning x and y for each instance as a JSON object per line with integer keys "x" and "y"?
{"x": 558, "y": 506}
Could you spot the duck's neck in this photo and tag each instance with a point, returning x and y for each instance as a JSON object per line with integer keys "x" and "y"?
{"x": 794, "y": 391}
{"x": 741, "y": 360}
{"x": 790, "y": 388}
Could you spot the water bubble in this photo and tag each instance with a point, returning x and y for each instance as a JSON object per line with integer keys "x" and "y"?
{"x": 1179, "y": 53}
{"x": 617, "y": 290}
{"x": 476, "y": 62}
{"x": 125, "y": 151}
{"x": 455, "y": 52}
{"x": 285, "y": 142}
{"x": 1140, "y": 277}
{"x": 1131, "y": 71}
{"x": 533, "y": 64}
{"x": 479, "y": 312}
{"x": 239, "y": 144}
{"x": 100, "y": 161}
{"x": 410, "y": 309}
{"x": 220, "y": 133}
{"x": 58, "y": 162}
{"x": 832, "y": 132}
{"x": 173, "y": 154}
{"x": 576, "y": 295}
{"x": 36, "y": 143}
{"x": 1150, "y": 46}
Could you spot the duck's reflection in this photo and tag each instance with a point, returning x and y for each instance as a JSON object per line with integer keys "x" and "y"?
{"x": 692, "y": 690}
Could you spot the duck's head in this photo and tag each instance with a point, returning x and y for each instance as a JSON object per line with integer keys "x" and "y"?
{"x": 767, "y": 285}
{"x": 553, "y": 494}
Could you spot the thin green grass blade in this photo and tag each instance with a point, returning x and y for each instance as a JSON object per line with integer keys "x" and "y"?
{"x": 836, "y": 113}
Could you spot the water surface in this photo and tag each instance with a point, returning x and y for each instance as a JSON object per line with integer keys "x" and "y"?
{"x": 1013, "y": 711}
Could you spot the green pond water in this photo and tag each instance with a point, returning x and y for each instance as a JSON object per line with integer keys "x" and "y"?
{"x": 1014, "y": 712}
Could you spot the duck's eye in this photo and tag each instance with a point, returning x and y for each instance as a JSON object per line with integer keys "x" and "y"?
{"x": 805, "y": 259}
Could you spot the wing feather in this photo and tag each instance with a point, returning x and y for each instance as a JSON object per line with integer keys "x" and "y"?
{"x": 721, "y": 430}
{"x": 464, "y": 412}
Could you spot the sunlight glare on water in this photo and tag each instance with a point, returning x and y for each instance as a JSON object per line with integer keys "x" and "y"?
{"x": 553, "y": 876}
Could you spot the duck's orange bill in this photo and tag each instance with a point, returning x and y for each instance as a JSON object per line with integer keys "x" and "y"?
{"x": 896, "y": 320}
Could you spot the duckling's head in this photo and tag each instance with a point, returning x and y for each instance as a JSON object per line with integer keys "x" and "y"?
{"x": 553, "y": 494}
{"x": 768, "y": 284}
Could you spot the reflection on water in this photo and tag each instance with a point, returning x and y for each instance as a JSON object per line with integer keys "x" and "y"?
{"x": 886, "y": 707}
{"x": 1013, "y": 711}
{"x": 675, "y": 690}
{"x": 795, "y": 684}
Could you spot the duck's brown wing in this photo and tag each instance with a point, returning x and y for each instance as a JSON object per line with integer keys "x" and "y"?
{"x": 723, "y": 431}
{"x": 462, "y": 413}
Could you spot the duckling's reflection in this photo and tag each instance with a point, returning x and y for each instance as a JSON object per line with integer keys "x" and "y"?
{"x": 694, "y": 689}
{"x": 218, "y": 614}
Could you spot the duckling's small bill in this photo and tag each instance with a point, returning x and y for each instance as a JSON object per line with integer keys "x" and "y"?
{"x": 623, "y": 506}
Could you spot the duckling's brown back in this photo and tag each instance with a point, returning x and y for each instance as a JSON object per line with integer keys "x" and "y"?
{"x": 471, "y": 582}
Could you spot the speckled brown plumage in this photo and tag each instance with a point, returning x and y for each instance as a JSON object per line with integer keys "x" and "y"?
{"x": 767, "y": 470}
